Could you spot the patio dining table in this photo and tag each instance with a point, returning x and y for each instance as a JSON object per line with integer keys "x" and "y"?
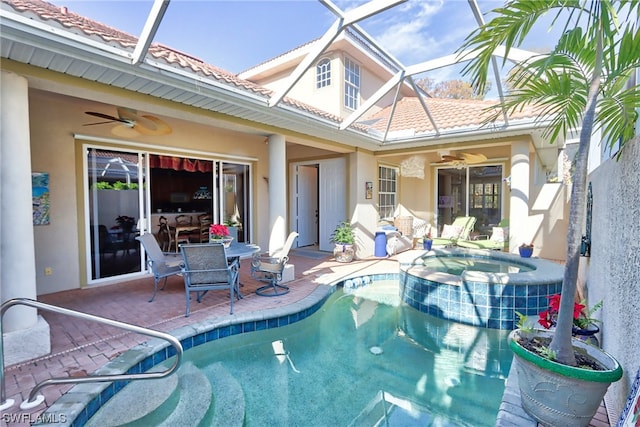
{"x": 239, "y": 251}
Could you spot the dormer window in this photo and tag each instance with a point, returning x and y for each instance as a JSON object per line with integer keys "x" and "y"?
{"x": 323, "y": 73}
{"x": 351, "y": 84}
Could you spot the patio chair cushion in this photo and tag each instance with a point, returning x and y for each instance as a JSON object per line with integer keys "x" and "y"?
{"x": 451, "y": 231}
{"x": 500, "y": 234}
{"x": 397, "y": 243}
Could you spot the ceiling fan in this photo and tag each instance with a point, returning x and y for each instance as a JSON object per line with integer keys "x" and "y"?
{"x": 462, "y": 159}
{"x": 130, "y": 123}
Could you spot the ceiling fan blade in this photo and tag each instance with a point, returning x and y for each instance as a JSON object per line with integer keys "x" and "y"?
{"x": 106, "y": 116}
{"x": 98, "y": 123}
{"x": 449, "y": 158}
{"x": 473, "y": 157}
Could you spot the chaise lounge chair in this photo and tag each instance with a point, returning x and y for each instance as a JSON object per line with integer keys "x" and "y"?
{"x": 460, "y": 229}
{"x": 499, "y": 239}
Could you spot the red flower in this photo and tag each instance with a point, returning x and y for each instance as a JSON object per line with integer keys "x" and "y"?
{"x": 577, "y": 310}
{"x": 218, "y": 230}
{"x": 548, "y": 317}
{"x": 545, "y": 319}
{"x": 554, "y": 302}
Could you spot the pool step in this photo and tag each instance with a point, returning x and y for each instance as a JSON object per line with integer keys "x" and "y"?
{"x": 195, "y": 399}
{"x": 228, "y": 406}
{"x": 180, "y": 399}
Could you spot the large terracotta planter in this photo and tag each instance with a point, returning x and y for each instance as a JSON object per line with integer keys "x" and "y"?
{"x": 559, "y": 395}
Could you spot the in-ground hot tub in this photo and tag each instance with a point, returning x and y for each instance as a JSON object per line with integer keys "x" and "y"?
{"x": 477, "y": 287}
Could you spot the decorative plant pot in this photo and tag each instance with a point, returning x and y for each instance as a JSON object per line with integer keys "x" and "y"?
{"x": 343, "y": 253}
{"x": 226, "y": 241}
{"x": 555, "y": 394}
{"x": 526, "y": 251}
{"x": 587, "y": 335}
{"x": 426, "y": 244}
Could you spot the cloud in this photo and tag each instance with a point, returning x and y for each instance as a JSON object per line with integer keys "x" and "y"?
{"x": 418, "y": 31}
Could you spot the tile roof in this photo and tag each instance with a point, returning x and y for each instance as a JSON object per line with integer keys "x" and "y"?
{"x": 448, "y": 114}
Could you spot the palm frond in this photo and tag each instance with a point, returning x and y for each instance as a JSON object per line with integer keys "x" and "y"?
{"x": 617, "y": 116}
{"x": 510, "y": 28}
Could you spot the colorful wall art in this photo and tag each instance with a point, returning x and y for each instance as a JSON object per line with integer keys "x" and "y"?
{"x": 40, "y": 197}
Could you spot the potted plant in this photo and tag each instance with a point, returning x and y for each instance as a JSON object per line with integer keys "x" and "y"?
{"x": 344, "y": 239}
{"x": 126, "y": 223}
{"x": 219, "y": 233}
{"x": 584, "y": 324}
{"x": 582, "y": 83}
{"x": 555, "y": 393}
{"x": 427, "y": 241}
{"x": 526, "y": 250}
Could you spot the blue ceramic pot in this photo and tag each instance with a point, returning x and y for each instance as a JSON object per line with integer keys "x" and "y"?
{"x": 525, "y": 252}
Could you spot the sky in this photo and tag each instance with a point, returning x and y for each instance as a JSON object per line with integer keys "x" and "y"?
{"x": 236, "y": 35}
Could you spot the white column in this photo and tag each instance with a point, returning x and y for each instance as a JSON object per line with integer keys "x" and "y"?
{"x": 519, "y": 201}
{"x": 363, "y": 168}
{"x": 23, "y": 331}
{"x": 277, "y": 192}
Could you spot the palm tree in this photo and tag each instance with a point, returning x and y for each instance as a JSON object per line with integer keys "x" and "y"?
{"x": 586, "y": 81}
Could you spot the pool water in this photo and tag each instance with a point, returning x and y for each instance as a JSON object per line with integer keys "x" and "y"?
{"x": 363, "y": 359}
{"x": 456, "y": 265}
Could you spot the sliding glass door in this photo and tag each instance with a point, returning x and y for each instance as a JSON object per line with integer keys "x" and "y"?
{"x": 470, "y": 191}
{"x": 452, "y": 195}
{"x": 115, "y": 205}
{"x": 485, "y": 197}
{"x": 126, "y": 196}
{"x": 234, "y": 198}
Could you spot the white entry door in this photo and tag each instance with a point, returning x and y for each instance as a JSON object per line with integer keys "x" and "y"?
{"x": 331, "y": 198}
{"x": 307, "y": 204}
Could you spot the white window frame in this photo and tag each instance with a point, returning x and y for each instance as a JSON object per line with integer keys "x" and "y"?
{"x": 351, "y": 84}
{"x": 323, "y": 73}
{"x": 388, "y": 190}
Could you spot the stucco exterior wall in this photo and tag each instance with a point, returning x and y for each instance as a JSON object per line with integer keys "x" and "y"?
{"x": 55, "y": 149}
{"x": 547, "y": 223}
{"x": 328, "y": 98}
{"x": 613, "y": 270}
{"x": 417, "y": 195}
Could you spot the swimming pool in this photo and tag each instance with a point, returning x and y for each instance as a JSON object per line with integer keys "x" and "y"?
{"x": 361, "y": 359}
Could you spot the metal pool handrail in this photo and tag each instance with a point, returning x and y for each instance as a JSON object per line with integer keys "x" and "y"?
{"x": 35, "y": 399}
